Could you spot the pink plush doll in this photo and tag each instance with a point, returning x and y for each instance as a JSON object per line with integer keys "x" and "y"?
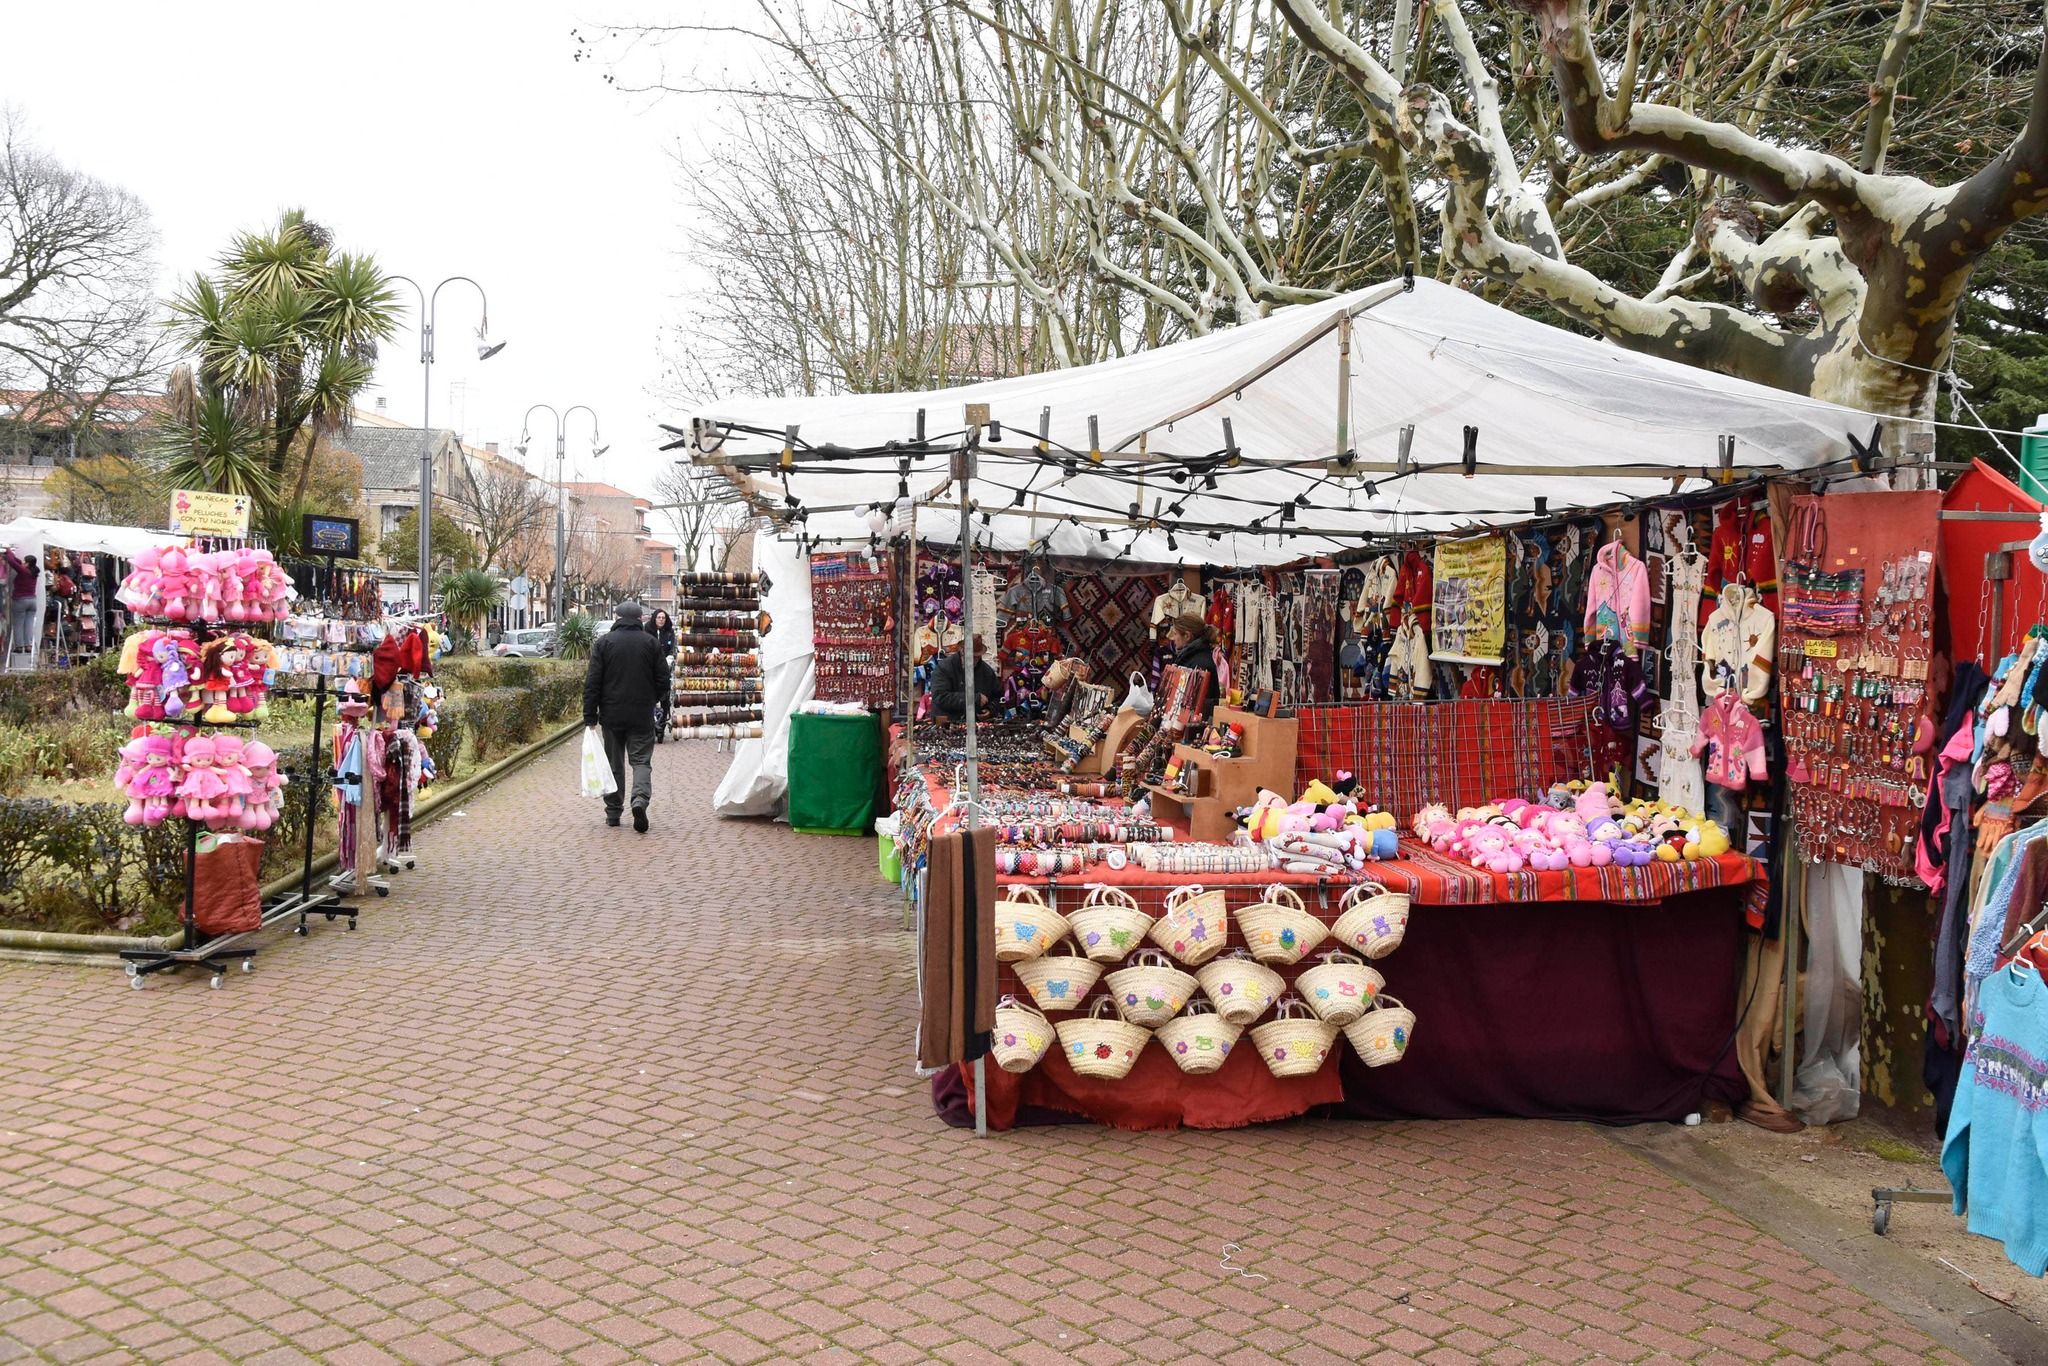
{"x": 1568, "y": 833}
{"x": 143, "y": 681}
{"x": 175, "y": 586}
{"x": 142, "y": 592}
{"x": 154, "y": 782}
{"x": 270, "y": 599}
{"x": 264, "y": 781}
{"x": 213, "y": 575}
{"x": 1488, "y": 847}
{"x": 202, "y": 787}
{"x": 231, "y": 762}
{"x": 1427, "y": 818}
{"x": 234, "y": 588}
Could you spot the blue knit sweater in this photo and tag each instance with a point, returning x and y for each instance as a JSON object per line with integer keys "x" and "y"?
{"x": 1996, "y": 1152}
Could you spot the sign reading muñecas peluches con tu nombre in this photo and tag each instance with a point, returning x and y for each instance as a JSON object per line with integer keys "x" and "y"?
{"x": 195, "y": 512}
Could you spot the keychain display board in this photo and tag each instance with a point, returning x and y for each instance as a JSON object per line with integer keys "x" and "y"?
{"x": 853, "y": 630}
{"x": 717, "y": 685}
{"x": 1856, "y": 619}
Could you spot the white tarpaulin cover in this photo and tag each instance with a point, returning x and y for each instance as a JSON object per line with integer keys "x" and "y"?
{"x": 756, "y": 782}
{"x": 30, "y": 535}
{"x": 1436, "y": 358}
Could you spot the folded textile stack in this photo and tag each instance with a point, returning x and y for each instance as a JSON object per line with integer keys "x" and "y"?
{"x": 1202, "y": 858}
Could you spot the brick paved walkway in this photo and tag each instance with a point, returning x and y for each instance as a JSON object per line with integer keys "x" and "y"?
{"x": 576, "y": 1094}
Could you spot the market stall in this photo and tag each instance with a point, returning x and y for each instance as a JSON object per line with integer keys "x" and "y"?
{"x": 1516, "y": 572}
{"x": 75, "y": 612}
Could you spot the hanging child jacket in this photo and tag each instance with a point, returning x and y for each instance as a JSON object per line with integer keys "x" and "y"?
{"x": 1737, "y": 646}
{"x": 1732, "y": 742}
{"x": 1618, "y": 598}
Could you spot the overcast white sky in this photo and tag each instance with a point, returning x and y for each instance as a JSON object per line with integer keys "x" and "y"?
{"x": 447, "y": 137}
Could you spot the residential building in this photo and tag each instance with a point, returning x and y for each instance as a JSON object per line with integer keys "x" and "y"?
{"x": 614, "y": 548}
{"x": 39, "y": 432}
{"x": 390, "y": 452}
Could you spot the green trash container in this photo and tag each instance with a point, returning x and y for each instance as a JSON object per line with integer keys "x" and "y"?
{"x": 835, "y": 770}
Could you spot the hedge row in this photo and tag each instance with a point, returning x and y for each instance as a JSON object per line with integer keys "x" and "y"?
{"x": 78, "y": 867}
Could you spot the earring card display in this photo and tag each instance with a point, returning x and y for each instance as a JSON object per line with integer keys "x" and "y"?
{"x": 1854, "y": 644}
{"x": 853, "y": 630}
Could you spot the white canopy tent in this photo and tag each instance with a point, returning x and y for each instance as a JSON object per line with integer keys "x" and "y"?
{"x": 1552, "y": 414}
{"x": 27, "y": 536}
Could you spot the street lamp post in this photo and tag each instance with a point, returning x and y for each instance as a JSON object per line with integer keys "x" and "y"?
{"x": 559, "y": 599}
{"x": 485, "y": 349}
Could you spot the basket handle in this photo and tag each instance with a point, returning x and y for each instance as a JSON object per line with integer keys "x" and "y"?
{"x": 1012, "y": 1003}
{"x": 1339, "y": 956}
{"x": 1197, "y": 1006}
{"x": 1382, "y": 1001}
{"x": 1099, "y": 1009}
{"x": 1068, "y": 941}
{"x": 1152, "y": 958}
{"x": 1180, "y": 894}
{"x": 1358, "y": 889}
{"x": 1289, "y": 1005}
{"x": 1024, "y": 893}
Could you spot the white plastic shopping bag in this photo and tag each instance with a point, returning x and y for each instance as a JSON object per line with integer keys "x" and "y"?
{"x": 597, "y": 770}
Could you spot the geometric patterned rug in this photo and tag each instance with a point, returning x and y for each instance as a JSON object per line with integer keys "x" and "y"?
{"x": 1109, "y": 622}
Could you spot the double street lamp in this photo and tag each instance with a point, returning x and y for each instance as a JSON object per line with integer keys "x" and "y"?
{"x": 559, "y": 598}
{"x": 485, "y": 349}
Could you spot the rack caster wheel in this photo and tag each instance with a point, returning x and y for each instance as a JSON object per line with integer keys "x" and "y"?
{"x": 129, "y": 968}
{"x": 330, "y": 917}
{"x": 215, "y": 981}
{"x": 1880, "y": 1219}
{"x": 351, "y": 924}
{"x": 134, "y": 982}
{"x": 248, "y": 965}
{"x": 383, "y": 891}
{"x": 300, "y": 929}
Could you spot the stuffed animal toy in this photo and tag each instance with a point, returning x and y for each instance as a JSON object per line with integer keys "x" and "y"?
{"x": 231, "y": 762}
{"x": 172, "y": 656}
{"x": 1427, "y": 819}
{"x": 1487, "y": 847}
{"x": 142, "y": 592}
{"x": 175, "y": 586}
{"x": 1386, "y": 840}
{"x": 153, "y": 780}
{"x": 145, "y": 671}
{"x": 202, "y": 787}
{"x": 264, "y": 804}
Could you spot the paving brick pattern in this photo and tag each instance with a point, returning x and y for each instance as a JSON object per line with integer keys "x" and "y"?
{"x": 574, "y": 1094}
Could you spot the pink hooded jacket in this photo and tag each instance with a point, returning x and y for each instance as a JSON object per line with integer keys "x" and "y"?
{"x": 1618, "y": 598}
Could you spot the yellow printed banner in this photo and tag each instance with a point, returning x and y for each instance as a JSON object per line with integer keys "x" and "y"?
{"x": 195, "y": 512}
{"x": 1469, "y": 602}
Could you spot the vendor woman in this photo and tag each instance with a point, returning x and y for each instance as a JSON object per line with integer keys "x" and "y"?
{"x": 949, "y": 684}
{"x": 1193, "y": 643}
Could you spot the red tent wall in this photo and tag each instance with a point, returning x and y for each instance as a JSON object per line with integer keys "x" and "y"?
{"x": 1963, "y": 548}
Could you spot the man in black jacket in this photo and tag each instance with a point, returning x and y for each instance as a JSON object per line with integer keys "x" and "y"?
{"x": 949, "y": 686}
{"x": 626, "y": 677}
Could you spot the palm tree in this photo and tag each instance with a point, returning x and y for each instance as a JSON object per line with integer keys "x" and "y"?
{"x": 213, "y": 441}
{"x": 286, "y": 337}
{"x": 469, "y": 596}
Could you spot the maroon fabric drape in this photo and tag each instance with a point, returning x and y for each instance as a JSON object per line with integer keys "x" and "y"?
{"x": 1562, "y": 1010}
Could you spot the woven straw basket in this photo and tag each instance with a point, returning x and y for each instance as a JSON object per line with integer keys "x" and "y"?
{"x": 1151, "y": 991}
{"x": 1280, "y": 929}
{"x": 1026, "y": 926}
{"x": 1340, "y": 987}
{"x": 1198, "y": 1039}
{"x": 1059, "y": 981}
{"x": 1373, "y": 920}
{"x": 1195, "y": 926}
{"x": 1109, "y": 924}
{"x": 1022, "y": 1036}
{"x": 1382, "y": 1034}
{"x": 1295, "y": 1044}
{"x": 1099, "y": 1045}
{"x": 1239, "y": 988}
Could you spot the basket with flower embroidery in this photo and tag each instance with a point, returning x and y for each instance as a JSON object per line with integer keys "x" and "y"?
{"x": 1239, "y": 988}
{"x": 1381, "y": 1035}
{"x": 1022, "y": 1035}
{"x": 1280, "y": 929}
{"x": 1296, "y": 1043}
{"x": 1195, "y": 926}
{"x": 1109, "y": 924}
{"x": 1059, "y": 981}
{"x": 1373, "y": 920}
{"x": 1098, "y": 1044}
{"x": 1025, "y": 925}
{"x": 1198, "y": 1039}
{"x": 1340, "y": 987}
{"x": 1151, "y": 990}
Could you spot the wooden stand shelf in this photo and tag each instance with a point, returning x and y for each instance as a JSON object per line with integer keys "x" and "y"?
{"x": 1226, "y": 785}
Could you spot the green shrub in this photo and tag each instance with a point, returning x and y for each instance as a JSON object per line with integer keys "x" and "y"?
{"x": 574, "y": 636}
{"x": 558, "y": 695}
{"x": 444, "y": 746}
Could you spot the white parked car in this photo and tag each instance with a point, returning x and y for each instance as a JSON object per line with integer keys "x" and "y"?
{"x": 529, "y": 644}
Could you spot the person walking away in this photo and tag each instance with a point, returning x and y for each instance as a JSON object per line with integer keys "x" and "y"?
{"x": 22, "y": 574}
{"x": 626, "y": 677}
